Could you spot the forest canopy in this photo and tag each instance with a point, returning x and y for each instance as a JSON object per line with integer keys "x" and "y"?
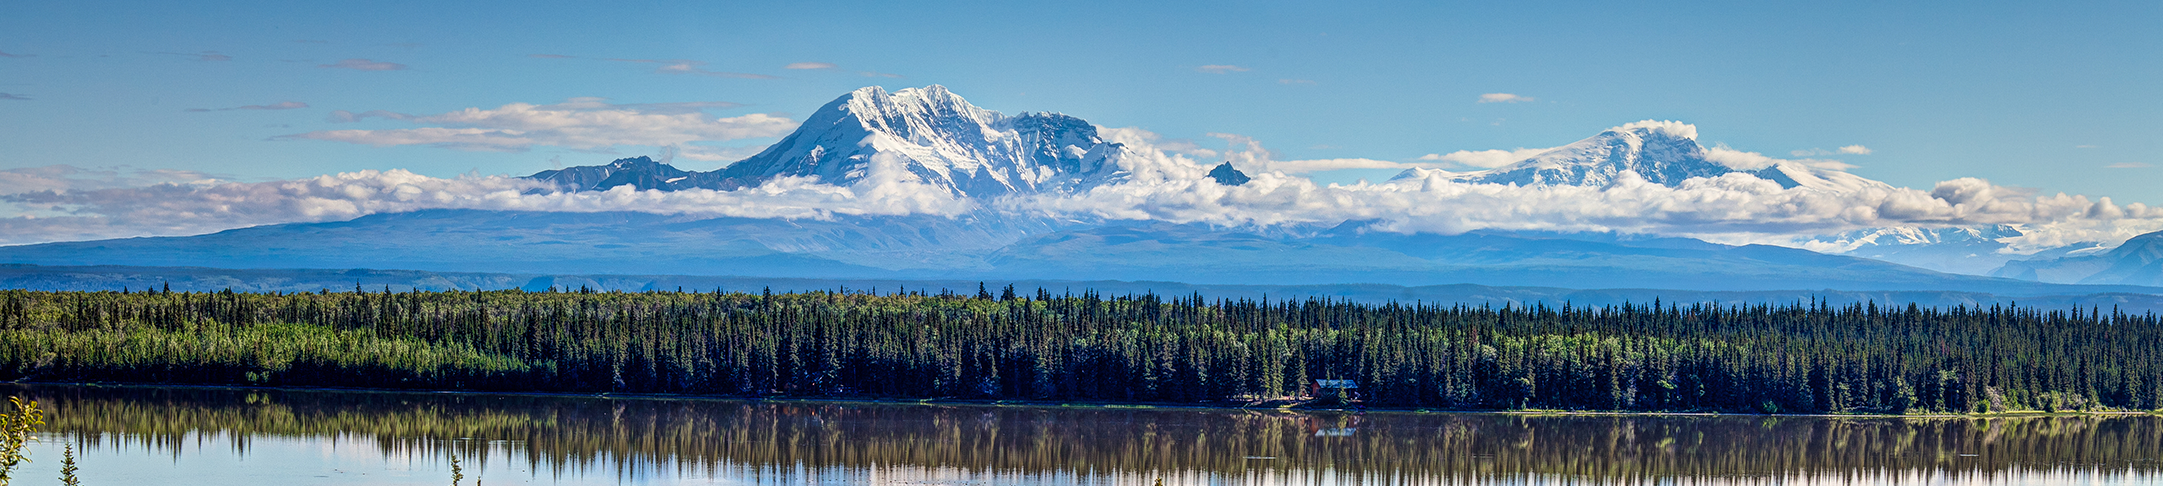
{"x": 1800, "y": 358}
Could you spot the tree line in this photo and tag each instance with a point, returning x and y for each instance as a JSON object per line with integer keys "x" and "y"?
{"x": 1796, "y": 358}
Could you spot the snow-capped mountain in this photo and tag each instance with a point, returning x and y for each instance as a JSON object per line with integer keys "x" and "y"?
{"x": 1660, "y": 152}
{"x": 2139, "y": 261}
{"x": 932, "y": 136}
{"x": 1664, "y": 153}
{"x": 640, "y": 173}
{"x": 1965, "y": 250}
{"x": 926, "y": 135}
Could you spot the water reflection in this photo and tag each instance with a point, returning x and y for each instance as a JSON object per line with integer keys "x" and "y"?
{"x": 548, "y": 439}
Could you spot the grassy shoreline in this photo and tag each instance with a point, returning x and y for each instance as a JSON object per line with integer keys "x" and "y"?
{"x": 1087, "y": 405}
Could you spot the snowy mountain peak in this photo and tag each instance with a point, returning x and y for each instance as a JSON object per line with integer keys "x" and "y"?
{"x": 1660, "y": 152}
{"x": 640, "y": 173}
{"x": 933, "y": 136}
{"x": 1663, "y": 152}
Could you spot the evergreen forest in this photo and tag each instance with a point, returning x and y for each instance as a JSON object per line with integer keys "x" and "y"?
{"x": 1798, "y": 358}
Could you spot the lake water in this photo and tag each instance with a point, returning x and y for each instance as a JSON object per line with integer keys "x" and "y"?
{"x": 195, "y": 436}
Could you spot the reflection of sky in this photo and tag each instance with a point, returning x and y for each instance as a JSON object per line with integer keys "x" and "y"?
{"x": 355, "y": 460}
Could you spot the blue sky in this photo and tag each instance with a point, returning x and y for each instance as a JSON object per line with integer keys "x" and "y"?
{"x": 2059, "y": 97}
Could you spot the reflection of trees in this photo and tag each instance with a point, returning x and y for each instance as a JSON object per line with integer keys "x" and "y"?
{"x": 562, "y": 431}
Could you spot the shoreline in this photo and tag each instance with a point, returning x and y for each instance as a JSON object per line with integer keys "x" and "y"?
{"x": 1097, "y": 405}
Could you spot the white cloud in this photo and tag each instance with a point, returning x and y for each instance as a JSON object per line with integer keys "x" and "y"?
{"x": 1139, "y": 139}
{"x": 1733, "y": 208}
{"x": 685, "y": 66}
{"x": 810, "y": 65}
{"x": 1308, "y": 166}
{"x": 1306, "y": 82}
{"x": 1221, "y": 69}
{"x": 1740, "y": 160}
{"x": 2128, "y": 165}
{"x": 364, "y": 65}
{"x": 1164, "y": 184}
{"x": 1504, "y": 98}
{"x": 1818, "y": 152}
{"x": 195, "y": 208}
{"x": 282, "y": 105}
{"x": 1485, "y": 159}
{"x": 1244, "y": 152}
{"x": 205, "y": 56}
{"x": 71, "y": 178}
{"x": 578, "y": 123}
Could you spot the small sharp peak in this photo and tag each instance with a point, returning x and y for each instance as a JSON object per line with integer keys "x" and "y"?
{"x": 639, "y": 172}
{"x": 634, "y": 162}
{"x": 1227, "y": 175}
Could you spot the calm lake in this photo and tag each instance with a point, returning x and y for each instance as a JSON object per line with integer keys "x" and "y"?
{"x": 191, "y": 436}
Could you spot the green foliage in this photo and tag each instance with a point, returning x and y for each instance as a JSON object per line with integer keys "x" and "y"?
{"x": 16, "y": 425}
{"x": 67, "y": 467}
{"x": 1790, "y": 359}
{"x": 458, "y": 474}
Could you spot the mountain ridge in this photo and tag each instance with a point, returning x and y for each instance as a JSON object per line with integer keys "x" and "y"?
{"x": 925, "y": 135}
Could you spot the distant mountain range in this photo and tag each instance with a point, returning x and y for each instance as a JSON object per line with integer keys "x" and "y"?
{"x": 940, "y": 140}
{"x": 200, "y": 279}
{"x": 2137, "y": 262}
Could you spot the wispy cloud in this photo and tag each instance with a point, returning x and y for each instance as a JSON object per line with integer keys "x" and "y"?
{"x": 551, "y": 56}
{"x": 682, "y": 66}
{"x": 5, "y": 54}
{"x": 1484, "y": 159}
{"x": 578, "y": 123}
{"x": 2128, "y": 165}
{"x": 205, "y": 56}
{"x": 13, "y": 97}
{"x": 201, "y": 207}
{"x": 810, "y": 65}
{"x": 1248, "y": 154}
{"x": 364, "y": 65}
{"x": 876, "y": 74}
{"x": 282, "y": 105}
{"x": 1308, "y": 82}
{"x": 64, "y": 178}
{"x": 1504, "y": 98}
{"x": 1817, "y": 152}
{"x": 1221, "y": 69}
{"x": 1163, "y": 185}
{"x": 1732, "y": 208}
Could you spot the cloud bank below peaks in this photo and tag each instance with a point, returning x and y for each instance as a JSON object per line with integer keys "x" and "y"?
{"x": 197, "y": 208}
{"x": 1159, "y": 179}
{"x": 1732, "y": 208}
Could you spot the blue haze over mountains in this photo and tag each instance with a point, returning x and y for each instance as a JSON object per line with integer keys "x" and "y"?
{"x": 969, "y": 152}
